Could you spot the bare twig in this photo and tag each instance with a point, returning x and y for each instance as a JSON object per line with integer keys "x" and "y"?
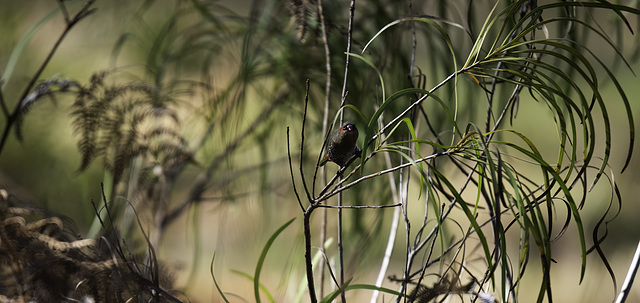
{"x": 306, "y": 225}
{"x": 5, "y": 110}
{"x": 358, "y": 206}
{"x": 63, "y": 8}
{"x": 416, "y": 103}
{"x": 337, "y": 189}
{"x": 325, "y": 125}
{"x": 326, "y": 260}
{"x": 84, "y": 12}
{"x": 304, "y": 120}
{"x": 293, "y": 181}
{"x": 352, "y": 8}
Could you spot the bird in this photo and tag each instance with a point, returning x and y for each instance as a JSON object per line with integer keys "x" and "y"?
{"x": 342, "y": 145}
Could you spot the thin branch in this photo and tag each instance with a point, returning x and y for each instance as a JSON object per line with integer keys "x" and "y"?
{"x": 343, "y": 95}
{"x": 5, "y": 110}
{"x": 358, "y": 206}
{"x": 336, "y": 190}
{"x": 352, "y": 8}
{"x": 293, "y": 181}
{"x": 65, "y": 13}
{"x": 304, "y": 122}
{"x": 325, "y": 125}
{"x": 84, "y": 12}
{"x": 416, "y": 103}
{"x": 338, "y": 176}
{"x": 306, "y": 226}
{"x": 328, "y": 265}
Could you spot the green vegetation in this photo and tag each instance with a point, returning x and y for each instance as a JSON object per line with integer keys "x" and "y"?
{"x": 497, "y": 141}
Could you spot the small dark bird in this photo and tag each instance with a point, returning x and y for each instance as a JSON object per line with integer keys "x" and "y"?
{"x": 342, "y": 145}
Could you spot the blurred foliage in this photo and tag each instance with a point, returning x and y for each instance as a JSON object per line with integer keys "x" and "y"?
{"x": 183, "y": 117}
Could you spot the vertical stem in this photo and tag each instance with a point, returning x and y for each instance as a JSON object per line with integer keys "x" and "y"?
{"x": 392, "y": 233}
{"x": 352, "y": 8}
{"x": 323, "y": 239}
{"x": 325, "y": 126}
{"x": 307, "y": 253}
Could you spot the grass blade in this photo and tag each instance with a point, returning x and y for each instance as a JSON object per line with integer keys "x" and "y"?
{"x": 214, "y": 279}
{"x": 263, "y": 255}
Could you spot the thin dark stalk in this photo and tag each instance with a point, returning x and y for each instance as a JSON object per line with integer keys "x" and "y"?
{"x": 341, "y": 246}
{"x": 352, "y": 8}
{"x": 404, "y": 187}
{"x": 5, "y": 110}
{"x": 339, "y": 187}
{"x": 358, "y": 206}
{"x": 65, "y": 13}
{"x": 293, "y": 181}
{"x": 325, "y": 126}
{"x": 417, "y": 102}
{"x": 306, "y": 225}
{"x": 333, "y": 276}
{"x": 323, "y": 239}
{"x": 407, "y": 225}
{"x": 84, "y": 12}
{"x": 307, "y": 252}
{"x": 304, "y": 120}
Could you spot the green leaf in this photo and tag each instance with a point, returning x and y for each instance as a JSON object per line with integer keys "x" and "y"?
{"x": 19, "y": 48}
{"x": 371, "y": 129}
{"x": 368, "y": 62}
{"x": 330, "y": 297}
{"x": 263, "y": 256}
{"x": 260, "y": 286}
{"x": 214, "y": 278}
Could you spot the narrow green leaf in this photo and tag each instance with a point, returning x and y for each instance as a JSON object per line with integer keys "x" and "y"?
{"x": 375, "y": 68}
{"x": 330, "y": 297}
{"x": 470, "y": 216}
{"x": 261, "y": 287}
{"x": 19, "y": 48}
{"x": 547, "y": 169}
{"x": 372, "y": 126}
{"x": 214, "y": 278}
{"x": 263, "y": 255}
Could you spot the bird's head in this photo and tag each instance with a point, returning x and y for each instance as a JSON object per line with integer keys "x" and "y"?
{"x": 348, "y": 127}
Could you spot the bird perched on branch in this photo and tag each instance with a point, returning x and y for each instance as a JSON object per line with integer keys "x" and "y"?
{"x": 342, "y": 145}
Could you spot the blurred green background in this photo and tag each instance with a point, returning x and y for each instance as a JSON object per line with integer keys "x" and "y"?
{"x": 250, "y": 203}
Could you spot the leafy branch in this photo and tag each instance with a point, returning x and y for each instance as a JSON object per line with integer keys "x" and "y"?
{"x": 507, "y": 59}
